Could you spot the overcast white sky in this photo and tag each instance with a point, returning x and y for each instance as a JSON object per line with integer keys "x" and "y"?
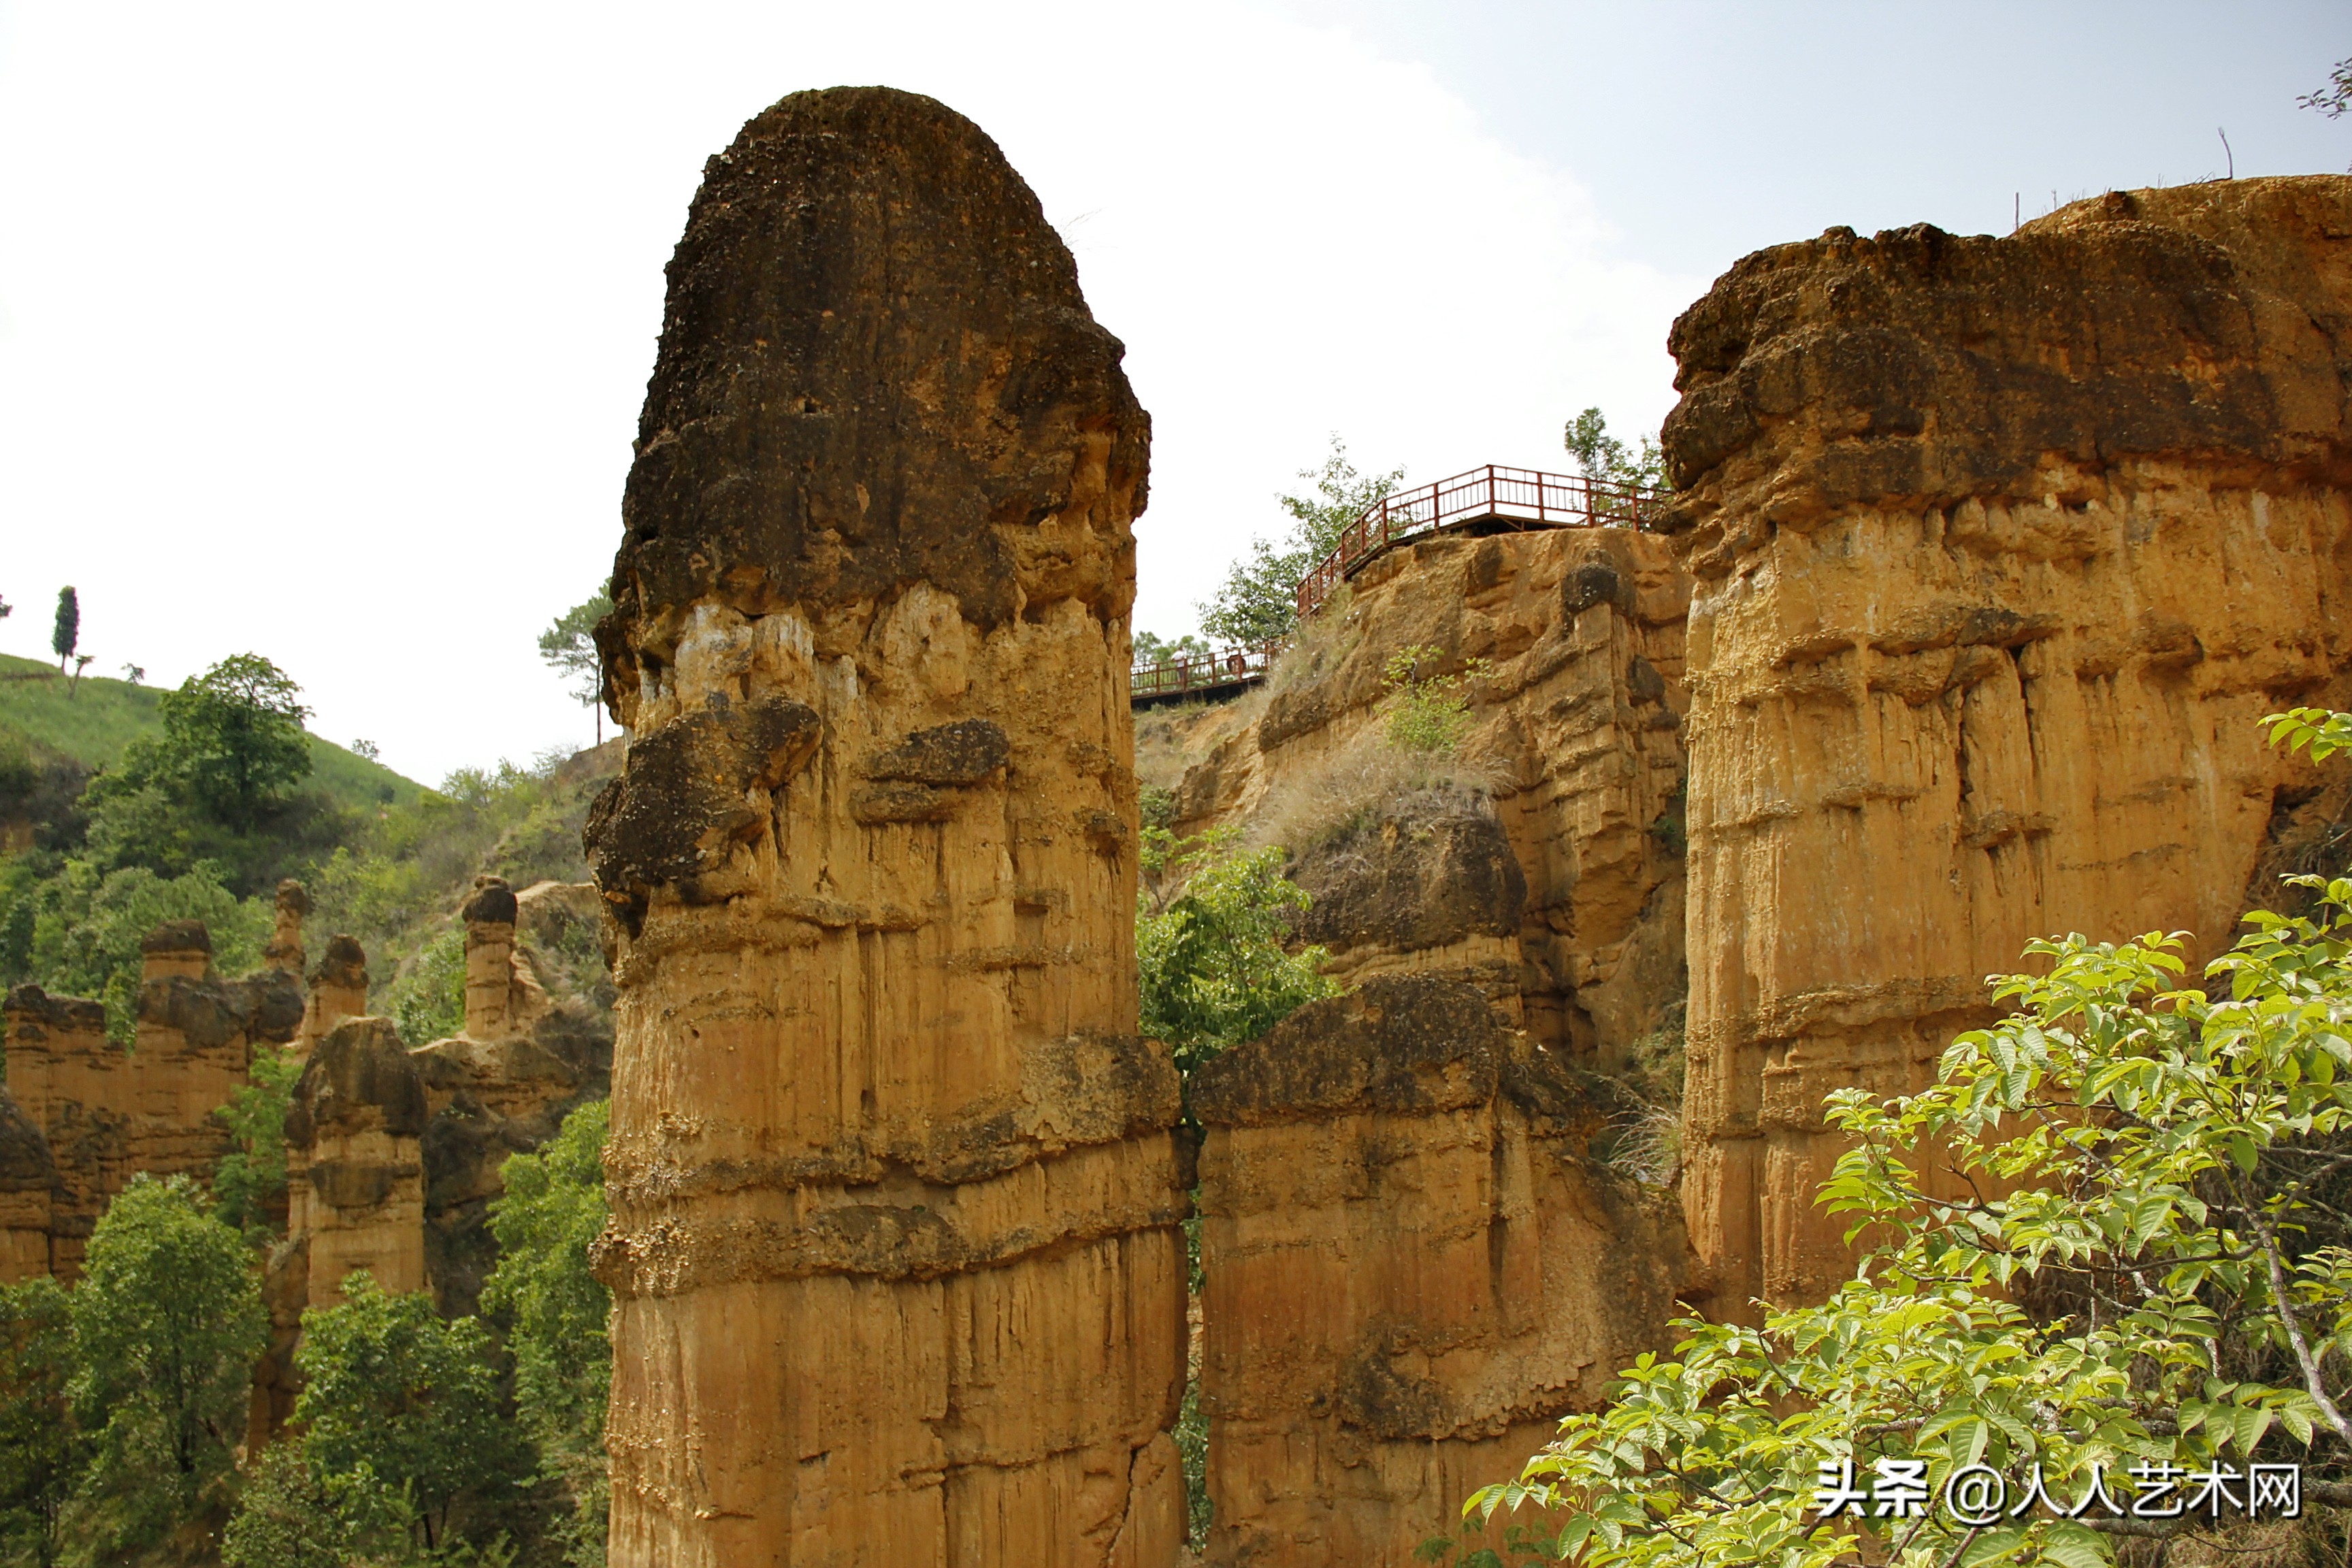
{"x": 323, "y": 327}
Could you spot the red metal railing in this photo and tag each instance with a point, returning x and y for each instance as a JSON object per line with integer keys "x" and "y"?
{"x": 1202, "y": 672}
{"x": 1522, "y": 497}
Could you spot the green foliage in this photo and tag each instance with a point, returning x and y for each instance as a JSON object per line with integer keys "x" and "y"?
{"x": 1211, "y": 921}
{"x": 2313, "y": 730}
{"x": 65, "y": 635}
{"x": 1427, "y": 713}
{"x": 232, "y": 736}
{"x": 552, "y": 1210}
{"x": 428, "y": 1002}
{"x": 1259, "y": 602}
{"x": 215, "y": 784}
{"x": 1192, "y": 1435}
{"x": 86, "y": 928}
{"x": 2335, "y": 98}
{"x": 1150, "y": 650}
{"x": 396, "y": 1397}
{"x": 93, "y": 731}
{"x": 42, "y": 1451}
{"x": 251, "y": 1178}
{"x": 569, "y": 645}
{"x": 2149, "y": 1265}
{"x": 167, "y": 1321}
{"x": 1600, "y": 455}
{"x": 397, "y": 887}
{"x": 290, "y": 1516}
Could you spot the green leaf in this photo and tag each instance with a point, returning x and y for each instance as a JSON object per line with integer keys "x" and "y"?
{"x": 2070, "y": 1545}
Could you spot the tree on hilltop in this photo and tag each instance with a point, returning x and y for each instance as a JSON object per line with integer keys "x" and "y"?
{"x": 66, "y": 631}
{"x": 235, "y": 735}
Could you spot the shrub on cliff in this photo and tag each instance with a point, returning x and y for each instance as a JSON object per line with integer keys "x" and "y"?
{"x": 2113, "y": 1239}
{"x": 1426, "y": 710}
{"x": 250, "y": 1180}
{"x": 1210, "y": 925}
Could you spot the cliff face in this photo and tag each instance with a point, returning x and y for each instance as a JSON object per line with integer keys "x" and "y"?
{"x": 73, "y": 1085}
{"x": 197, "y": 1034}
{"x": 1414, "y": 1268}
{"x": 1562, "y": 898}
{"x": 1999, "y": 547}
{"x": 893, "y": 1233}
{"x": 104, "y": 1113}
{"x": 29, "y": 1181}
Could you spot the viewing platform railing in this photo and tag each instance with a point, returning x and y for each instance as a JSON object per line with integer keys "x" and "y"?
{"x": 1515, "y": 498}
{"x": 1202, "y": 673}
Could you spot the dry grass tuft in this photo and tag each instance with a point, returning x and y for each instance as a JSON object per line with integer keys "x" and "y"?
{"x": 1316, "y": 805}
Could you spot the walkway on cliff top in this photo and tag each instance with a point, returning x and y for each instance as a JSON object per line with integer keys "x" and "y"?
{"x": 1492, "y": 500}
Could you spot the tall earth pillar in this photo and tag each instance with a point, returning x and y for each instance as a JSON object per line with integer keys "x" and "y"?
{"x": 895, "y": 1239}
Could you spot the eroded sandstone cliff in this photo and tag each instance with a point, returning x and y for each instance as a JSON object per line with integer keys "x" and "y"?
{"x": 73, "y": 1085}
{"x": 104, "y": 1113}
{"x": 1414, "y": 1267}
{"x": 2000, "y": 548}
{"x": 1549, "y": 872}
{"x": 895, "y": 1205}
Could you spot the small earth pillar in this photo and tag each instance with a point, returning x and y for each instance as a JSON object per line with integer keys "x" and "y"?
{"x": 339, "y": 990}
{"x": 285, "y": 952}
{"x": 895, "y": 1239}
{"x": 490, "y": 916}
{"x": 355, "y": 1173}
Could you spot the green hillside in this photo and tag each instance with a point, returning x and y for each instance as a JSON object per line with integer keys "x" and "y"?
{"x": 93, "y": 725}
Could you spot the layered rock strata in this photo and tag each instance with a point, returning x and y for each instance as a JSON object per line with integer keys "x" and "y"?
{"x": 2001, "y": 548}
{"x": 196, "y": 1035}
{"x": 1414, "y": 1267}
{"x": 1571, "y": 917}
{"x": 339, "y": 990}
{"x": 74, "y": 1086}
{"x": 355, "y": 1192}
{"x": 354, "y": 1164}
{"x": 105, "y": 1113}
{"x": 28, "y": 1193}
{"x": 1423, "y": 883}
{"x": 895, "y": 1236}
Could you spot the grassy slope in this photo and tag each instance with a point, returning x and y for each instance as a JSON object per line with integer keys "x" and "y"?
{"x": 93, "y": 725}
